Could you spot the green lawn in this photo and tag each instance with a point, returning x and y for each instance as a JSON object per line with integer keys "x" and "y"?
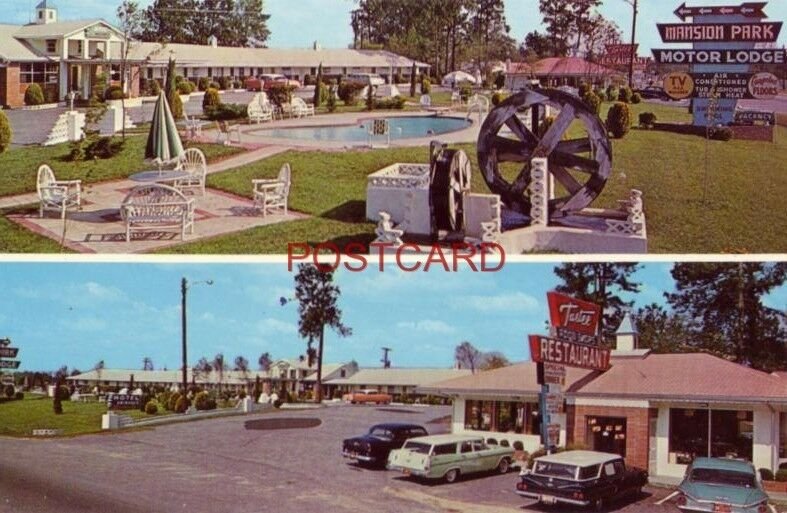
{"x": 20, "y": 164}
{"x": 20, "y": 418}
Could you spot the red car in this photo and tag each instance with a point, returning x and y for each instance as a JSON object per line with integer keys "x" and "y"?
{"x": 264, "y": 82}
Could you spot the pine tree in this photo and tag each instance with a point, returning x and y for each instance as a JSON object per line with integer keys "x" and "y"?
{"x": 318, "y": 88}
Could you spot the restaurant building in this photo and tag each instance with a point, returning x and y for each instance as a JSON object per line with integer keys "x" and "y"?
{"x": 660, "y": 411}
{"x": 66, "y": 56}
{"x": 558, "y": 71}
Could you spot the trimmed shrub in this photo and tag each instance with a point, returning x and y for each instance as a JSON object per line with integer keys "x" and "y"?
{"x": 203, "y": 401}
{"x": 237, "y": 84}
{"x": 370, "y": 97}
{"x": 151, "y": 407}
{"x": 647, "y": 120}
{"x": 5, "y": 132}
{"x": 601, "y": 93}
{"x": 279, "y": 94}
{"x": 612, "y": 93}
{"x": 426, "y": 85}
{"x": 175, "y": 104}
{"x": 583, "y": 89}
{"x": 113, "y": 93}
{"x": 225, "y": 83}
{"x": 331, "y": 101}
{"x": 636, "y": 98}
{"x": 227, "y": 111}
{"x": 182, "y": 404}
{"x": 349, "y": 91}
{"x": 498, "y": 97}
{"x": 214, "y": 85}
{"x": 781, "y": 475}
{"x": 395, "y": 102}
{"x": 9, "y": 391}
{"x": 103, "y": 148}
{"x": 592, "y": 101}
{"x": 211, "y": 101}
{"x": 34, "y": 95}
{"x": 173, "y": 401}
{"x": 184, "y": 88}
{"x": 465, "y": 92}
{"x": 721, "y": 133}
{"x": 625, "y": 94}
{"x": 203, "y": 83}
{"x": 277, "y": 403}
{"x": 152, "y": 88}
{"x": 766, "y": 474}
{"x": 618, "y": 120}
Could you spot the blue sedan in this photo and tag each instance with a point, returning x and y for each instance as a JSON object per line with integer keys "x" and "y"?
{"x": 720, "y": 485}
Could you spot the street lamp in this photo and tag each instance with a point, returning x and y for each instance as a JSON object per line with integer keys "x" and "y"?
{"x": 184, "y": 287}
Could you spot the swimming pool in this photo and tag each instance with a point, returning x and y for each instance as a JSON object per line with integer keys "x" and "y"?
{"x": 405, "y": 127}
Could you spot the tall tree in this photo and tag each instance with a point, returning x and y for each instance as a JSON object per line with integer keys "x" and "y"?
{"x": 131, "y": 21}
{"x": 724, "y": 305}
{"x": 219, "y": 365}
{"x": 559, "y": 20}
{"x": 600, "y": 283}
{"x": 537, "y": 46}
{"x": 317, "y": 87}
{"x": 147, "y": 363}
{"x": 493, "y": 360}
{"x": 242, "y": 366}
{"x": 660, "y": 330}
{"x": 265, "y": 361}
{"x": 318, "y": 296}
{"x": 467, "y": 356}
{"x": 202, "y": 369}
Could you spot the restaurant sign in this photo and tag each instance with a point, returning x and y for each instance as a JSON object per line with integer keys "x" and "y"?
{"x": 720, "y": 32}
{"x": 554, "y": 374}
{"x": 555, "y": 403}
{"x": 551, "y": 350}
{"x": 568, "y": 313}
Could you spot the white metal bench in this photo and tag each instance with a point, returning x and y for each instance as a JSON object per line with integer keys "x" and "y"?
{"x": 155, "y": 208}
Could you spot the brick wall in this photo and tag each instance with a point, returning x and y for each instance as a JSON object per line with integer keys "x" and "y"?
{"x": 636, "y": 429}
{"x": 10, "y": 95}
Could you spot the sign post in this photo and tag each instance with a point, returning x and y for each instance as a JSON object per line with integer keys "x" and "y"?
{"x": 573, "y": 342}
{"x": 6, "y": 351}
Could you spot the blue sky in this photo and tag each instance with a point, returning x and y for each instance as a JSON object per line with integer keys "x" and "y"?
{"x": 76, "y": 314}
{"x": 297, "y": 23}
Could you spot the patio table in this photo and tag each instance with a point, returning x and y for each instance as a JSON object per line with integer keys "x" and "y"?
{"x": 156, "y": 176}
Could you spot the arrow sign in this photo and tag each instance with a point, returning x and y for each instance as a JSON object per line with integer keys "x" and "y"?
{"x": 9, "y": 364}
{"x": 8, "y": 352}
{"x": 748, "y": 9}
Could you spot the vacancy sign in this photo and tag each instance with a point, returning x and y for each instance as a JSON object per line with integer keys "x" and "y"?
{"x": 566, "y": 312}
{"x": 551, "y": 350}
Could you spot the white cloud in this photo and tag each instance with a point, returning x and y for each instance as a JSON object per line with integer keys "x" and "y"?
{"x": 102, "y": 292}
{"x": 502, "y": 302}
{"x": 426, "y": 326}
{"x": 86, "y": 324}
{"x": 275, "y": 325}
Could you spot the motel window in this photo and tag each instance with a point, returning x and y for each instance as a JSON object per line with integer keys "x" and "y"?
{"x": 313, "y": 71}
{"x": 503, "y": 417}
{"x": 150, "y": 73}
{"x": 714, "y": 433}
{"x": 210, "y": 72}
{"x": 114, "y": 72}
{"x": 39, "y": 73}
{"x": 51, "y": 45}
{"x": 232, "y": 72}
{"x": 40, "y": 15}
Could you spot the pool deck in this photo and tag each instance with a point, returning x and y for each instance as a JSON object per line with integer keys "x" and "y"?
{"x": 469, "y": 134}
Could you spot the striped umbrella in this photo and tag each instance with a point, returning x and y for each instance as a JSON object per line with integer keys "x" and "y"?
{"x": 163, "y": 140}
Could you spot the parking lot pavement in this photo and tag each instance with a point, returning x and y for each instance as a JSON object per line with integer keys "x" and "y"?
{"x": 229, "y": 465}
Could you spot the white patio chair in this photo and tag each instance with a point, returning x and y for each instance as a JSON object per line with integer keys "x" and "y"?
{"x": 300, "y": 108}
{"x": 478, "y": 103}
{"x": 426, "y": 101}
{"x": 379, "y": 127}
{"x": 192, "y": 161}
{"x": 57, "y": 195}
{"x": 193, "y": 127}
{"x": 271, "y": 195}
{"x": 224, "y": 132}
{"x": 258, "y": 113}
{"x": 456, "y": 99}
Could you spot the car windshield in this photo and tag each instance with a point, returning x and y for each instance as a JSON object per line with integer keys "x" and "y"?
{"x": 722, "y": 477}
{"x": 383, "y": 433}
{"x": 418, "y": 447}
{"x": 546, "y": 468}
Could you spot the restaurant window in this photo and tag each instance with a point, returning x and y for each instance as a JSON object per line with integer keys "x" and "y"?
{"x": 39, "y": 73}
{"x": 51, "y": 45}
{"x": 718, "y": 433}
{"x": 503, "y": 417}
{"x": 782, "y": 435}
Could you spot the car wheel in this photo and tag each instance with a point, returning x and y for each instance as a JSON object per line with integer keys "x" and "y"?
{"x": 451, "y": 476}
{"x": 503, "y": 466}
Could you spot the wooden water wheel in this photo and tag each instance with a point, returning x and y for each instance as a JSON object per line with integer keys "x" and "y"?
{"x": 580, "y": 165}
{"x": 450, "y": 180}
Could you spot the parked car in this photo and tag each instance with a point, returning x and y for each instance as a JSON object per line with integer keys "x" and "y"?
{"x": 365, "y": 78}
{"x": 264, "y": 82}
{"x": 653, "y": 93}
{"x": 368, "y": 395}
{"x": 373, "y": 447}
{"x": 721, "y": 485}
{"x": 581, "y": 478}
{"x": 449, "y": 456}
{"x": 253, "y": 84}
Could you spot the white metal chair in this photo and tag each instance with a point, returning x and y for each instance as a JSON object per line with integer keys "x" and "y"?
{"x": 57, "y": 195}
{"x": 271, "y": 195}
{"x": 379, "y": 127}
{"x": 193, "y": 127}
{"x": 224, "y": 132}
{"x": 478, "y": 103}
{"x": 300, "y": 108}
{"x": 258, "y": 113}
{"x": 426, "y": 101}
{"x": 456, "y": 99}
{"x": 192, "y": 161}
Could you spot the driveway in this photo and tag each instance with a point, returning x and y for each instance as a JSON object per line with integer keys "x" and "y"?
{"x": 231, "y": 465}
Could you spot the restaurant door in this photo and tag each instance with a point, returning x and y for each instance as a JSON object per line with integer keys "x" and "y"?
{"x": 607, "y": 434}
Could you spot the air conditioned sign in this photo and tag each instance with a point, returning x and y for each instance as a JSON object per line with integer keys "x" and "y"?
{"x": 568, "y": 313}
{"x": 691, "y": 56}
{"x": 551, "y": 350}
{"x": 720, "y": 32}
{"x": 725, "y": 85}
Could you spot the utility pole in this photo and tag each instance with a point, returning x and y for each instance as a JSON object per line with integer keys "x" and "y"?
{"x": 633, "y": 43}
{"x": 184, "y": 286}
{"x": 385, "y": 360}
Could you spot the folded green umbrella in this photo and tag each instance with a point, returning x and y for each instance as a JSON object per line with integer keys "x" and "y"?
{"x": 163, "y": 140}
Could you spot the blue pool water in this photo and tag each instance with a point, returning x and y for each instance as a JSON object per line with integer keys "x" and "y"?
{"x": 401, "y": 128}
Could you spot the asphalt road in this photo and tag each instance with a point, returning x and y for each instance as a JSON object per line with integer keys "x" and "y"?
{"x": 226, "y": 465}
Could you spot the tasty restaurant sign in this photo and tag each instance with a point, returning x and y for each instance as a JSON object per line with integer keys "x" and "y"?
{"x": 551, "y": 350}
{"x": 569, "y": 313}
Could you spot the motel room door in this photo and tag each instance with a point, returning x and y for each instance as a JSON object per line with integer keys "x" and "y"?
{"x": 607, "y": 434}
